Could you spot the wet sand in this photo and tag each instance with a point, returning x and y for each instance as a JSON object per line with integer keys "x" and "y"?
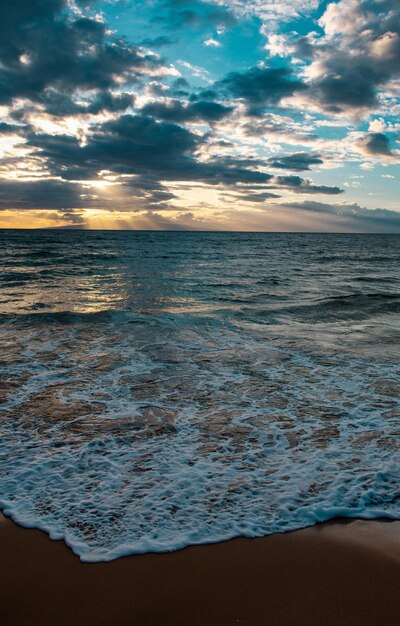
{"x": 336, "y": 574}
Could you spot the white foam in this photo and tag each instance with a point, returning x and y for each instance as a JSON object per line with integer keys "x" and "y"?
{"x": 127, "y": 438}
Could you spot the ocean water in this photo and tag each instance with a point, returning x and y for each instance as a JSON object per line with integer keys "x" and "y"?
{"x": 166, "y": 389}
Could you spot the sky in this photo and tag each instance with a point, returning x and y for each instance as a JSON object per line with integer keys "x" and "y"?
{"x": 277, "y": 115}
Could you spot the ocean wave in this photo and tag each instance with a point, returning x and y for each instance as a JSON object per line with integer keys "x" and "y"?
{"x": 349, "y": 307}
{"x": 171, "y": 389}
{"x": 66, "y": 318}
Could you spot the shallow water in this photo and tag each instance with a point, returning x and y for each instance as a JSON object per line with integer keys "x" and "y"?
{"x": 163, "y": 389}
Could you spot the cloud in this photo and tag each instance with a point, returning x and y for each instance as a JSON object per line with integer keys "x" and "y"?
{"x": 11, "y": 129}
{"x": 252, "y": 197}
{"x": 213, "y": 43}
{"x": 63, "y": 104}
{"x": 90, "y": 119}
{"x": 270, "y": 13}
{"x": 303, "y": 47}
{"x": 361, "y": 218}
{"x": 68, "y": 197}
{"x": 197, "y": 14}
{"x": 375, "y": 144}
{"x": 301, "y": 185}
{"x": 129, "y": 144}
{"x": 294, "y": 217}
{"x": 261, "y": 86}
{"x": 158, "y": 42}
{"x": 138, "y": 145}
{"x": 54, "y": 47}
{"x": 346, "y": 85}
{"x": 41, "y": 194}
{"x": 296, "y": 162}
{"x": 138, "y": 156}
{"x": 176, "y": 111}
{"x": 276, "y": 127}
{"x": 358, "y": 54}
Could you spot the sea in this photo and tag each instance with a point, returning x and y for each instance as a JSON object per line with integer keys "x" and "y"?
{"x": 164, "y": 389}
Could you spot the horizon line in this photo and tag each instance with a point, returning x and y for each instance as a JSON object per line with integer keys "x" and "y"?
{"x": 181, "y": 230}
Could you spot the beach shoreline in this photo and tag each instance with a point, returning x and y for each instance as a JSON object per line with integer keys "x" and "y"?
{"x": 345, "y": 572}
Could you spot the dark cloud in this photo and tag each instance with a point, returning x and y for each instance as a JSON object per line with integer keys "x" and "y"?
{"x": 11, "y": 129}
{"x": 146, "y": 152}
{"x": 257, "y": 197}
{"x": 303, "y": 47}
{"x": 180, "y": 83}
{"x": 129, "y": 144}
{"x": 67, "y": 196}
{"x": 301, "y": 185}
{"x": 197, "y": 14}
{"x": 65, "y": 62}
{"x": 158, "y": 42}
{"x": 261, "y": 86}
{"x": 204, "y": 94}
{"x": 297, "y": 162}
{"x": 52, "y": 47}
{"x": 199, "y": 111}
{"x": 375, "y": 144}
{"x": 139, "y": 145}
{"x": 63, "y": 104}
{"x": 347, "y": 84}
{"x": 18, "y": 18}
{"x": 180, "y": 88}
{"x": 359, "y": 54}
{"x": 41, "y": 194}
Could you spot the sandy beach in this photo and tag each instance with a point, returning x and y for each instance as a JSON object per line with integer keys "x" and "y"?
{"x": 343, "y": 573}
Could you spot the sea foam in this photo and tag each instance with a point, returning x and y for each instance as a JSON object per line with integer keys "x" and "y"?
{"x": 192, "y": 407}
